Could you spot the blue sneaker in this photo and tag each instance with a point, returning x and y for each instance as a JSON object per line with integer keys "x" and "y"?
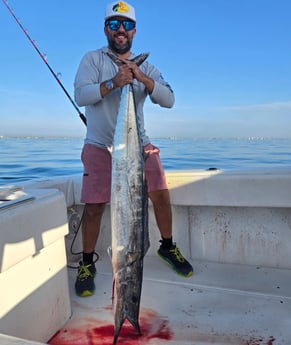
{"x": 84, "y": 285}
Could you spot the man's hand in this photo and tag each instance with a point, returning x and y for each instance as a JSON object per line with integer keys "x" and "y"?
{"x": 124, "y": 76}
{"x": 129, "y": 70}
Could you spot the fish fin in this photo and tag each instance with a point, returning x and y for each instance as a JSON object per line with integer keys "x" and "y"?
{"x": 112, "y": 293}
{"x": 135, "y": 324}
{"x": 139, "y": 59}
{"x": 131, "y": 257}
{"x": 117, "y": 329}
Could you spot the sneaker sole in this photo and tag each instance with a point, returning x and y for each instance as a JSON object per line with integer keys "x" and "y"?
{"x": 86, "y": 293}
{"x": 188, "y": 275}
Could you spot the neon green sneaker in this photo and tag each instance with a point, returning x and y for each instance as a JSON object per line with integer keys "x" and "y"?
{"x": 84, "y": 285}
{"x": 175, "y": 259}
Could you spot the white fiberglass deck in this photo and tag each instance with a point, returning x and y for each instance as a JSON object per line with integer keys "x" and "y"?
{"x": 221, "y": 304}
{"x": 232, "y": 225}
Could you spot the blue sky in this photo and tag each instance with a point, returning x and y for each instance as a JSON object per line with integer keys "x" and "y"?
{"x": 228, "y": 61}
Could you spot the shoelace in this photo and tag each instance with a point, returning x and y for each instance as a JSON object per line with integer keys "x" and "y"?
{"x": 177, "y": 253}
{"x": 84, "y": 272}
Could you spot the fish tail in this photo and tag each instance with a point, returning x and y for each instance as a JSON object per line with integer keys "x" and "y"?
{"x": 117, "y": 329}
{"x": 135, "y": 324}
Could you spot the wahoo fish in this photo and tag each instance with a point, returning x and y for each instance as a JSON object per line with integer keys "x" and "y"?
{"x": 129, "y": 211}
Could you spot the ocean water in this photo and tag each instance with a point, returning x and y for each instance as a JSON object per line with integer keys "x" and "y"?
{"x": 26, "y": 158}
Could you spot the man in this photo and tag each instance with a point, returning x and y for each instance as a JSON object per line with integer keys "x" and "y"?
{"x": 98, "y": 86}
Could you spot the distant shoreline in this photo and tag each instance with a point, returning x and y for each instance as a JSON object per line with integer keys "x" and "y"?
{"x": 50, "y": 137}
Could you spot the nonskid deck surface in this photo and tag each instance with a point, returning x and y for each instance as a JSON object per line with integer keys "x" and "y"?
{"x": 221, "y": 304}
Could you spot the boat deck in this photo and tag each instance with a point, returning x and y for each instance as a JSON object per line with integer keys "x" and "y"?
{"x": 236, "y": 227}
{"x": 220, "y": 304}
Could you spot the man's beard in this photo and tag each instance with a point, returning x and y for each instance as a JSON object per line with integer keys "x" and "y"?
{"x": 119, "y": 48}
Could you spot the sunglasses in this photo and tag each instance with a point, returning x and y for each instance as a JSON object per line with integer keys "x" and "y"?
{"x": 114, "y": 24}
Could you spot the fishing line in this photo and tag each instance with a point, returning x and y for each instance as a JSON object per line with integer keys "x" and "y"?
{"x": 82, "y": 116}
{"x": 73, "y": 242}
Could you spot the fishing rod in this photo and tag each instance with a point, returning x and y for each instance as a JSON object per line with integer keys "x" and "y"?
{"x": 82, "y": 116}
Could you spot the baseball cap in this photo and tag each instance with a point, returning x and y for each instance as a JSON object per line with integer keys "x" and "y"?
{"x": 121, "y": 9}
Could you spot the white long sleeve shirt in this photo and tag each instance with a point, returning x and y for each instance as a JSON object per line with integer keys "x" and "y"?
{"x": 101, "y": 112}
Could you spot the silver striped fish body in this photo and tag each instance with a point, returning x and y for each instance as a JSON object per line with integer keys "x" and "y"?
{"x": 128, "y": 215}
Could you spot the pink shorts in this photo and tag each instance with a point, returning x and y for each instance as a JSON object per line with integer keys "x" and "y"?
{"x": 97, "y": 162}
